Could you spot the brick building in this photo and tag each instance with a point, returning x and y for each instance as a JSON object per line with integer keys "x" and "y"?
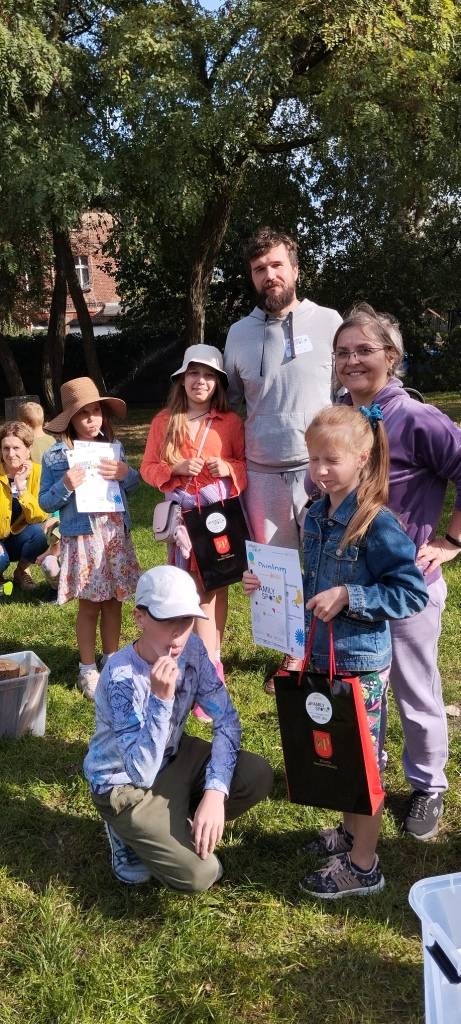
{"x": 94, "y": 271}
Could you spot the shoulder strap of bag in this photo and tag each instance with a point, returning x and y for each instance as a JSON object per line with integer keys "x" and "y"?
{"x": 204, "y": 437}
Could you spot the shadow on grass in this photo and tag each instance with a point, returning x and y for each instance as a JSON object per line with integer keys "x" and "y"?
{"x": 43, "y": 759}
{"x": 42, "y": 843}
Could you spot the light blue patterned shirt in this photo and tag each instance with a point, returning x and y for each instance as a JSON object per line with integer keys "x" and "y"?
{"x": 137, "y": 734}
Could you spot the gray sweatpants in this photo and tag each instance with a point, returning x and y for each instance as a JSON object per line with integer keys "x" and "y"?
{"x": 275, "y": 504}
{"x": 417, "y": 688}
{"x": 154, "y": 822}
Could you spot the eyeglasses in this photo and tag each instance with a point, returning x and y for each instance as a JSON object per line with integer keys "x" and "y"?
{"x": 361, "y": 352}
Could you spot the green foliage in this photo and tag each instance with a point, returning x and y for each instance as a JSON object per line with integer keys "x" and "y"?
{"x": 361, "y": 98}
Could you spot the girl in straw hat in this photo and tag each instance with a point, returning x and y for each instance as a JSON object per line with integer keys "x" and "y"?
{"x": 197, "y": 445}
{"x": 99, "y": 565}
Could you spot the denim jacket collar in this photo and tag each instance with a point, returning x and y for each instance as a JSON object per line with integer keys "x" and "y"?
{"x": 341, "y": 515}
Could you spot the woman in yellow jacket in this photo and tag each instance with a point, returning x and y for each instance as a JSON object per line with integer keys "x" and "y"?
{"x": 22, "y": 539}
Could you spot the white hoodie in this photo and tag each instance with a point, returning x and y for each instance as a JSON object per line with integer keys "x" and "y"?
{"x": 282, "y": 368}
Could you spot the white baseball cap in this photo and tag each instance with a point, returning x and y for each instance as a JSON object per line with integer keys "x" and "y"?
{"x": 207, "y": 355}
{"x": 168, "y": 593}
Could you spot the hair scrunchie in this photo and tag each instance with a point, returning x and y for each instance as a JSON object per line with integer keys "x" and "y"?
{"x": 372, "y": 413}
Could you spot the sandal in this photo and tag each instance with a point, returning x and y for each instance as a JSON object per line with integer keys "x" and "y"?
{"x": 288, "y": 664}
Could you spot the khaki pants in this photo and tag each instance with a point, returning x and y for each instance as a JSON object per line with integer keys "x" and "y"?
{"x": 154, "y": 821}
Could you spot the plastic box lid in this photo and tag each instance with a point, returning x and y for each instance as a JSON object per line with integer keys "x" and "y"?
{"x": 437, "y": 902}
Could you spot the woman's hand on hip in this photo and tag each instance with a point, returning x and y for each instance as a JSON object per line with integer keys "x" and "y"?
{"x": 328, "y": 603}
{"x": 432, "y": 555}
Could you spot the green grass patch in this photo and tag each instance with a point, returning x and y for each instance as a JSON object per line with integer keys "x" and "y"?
{"x": 78, "y": 948}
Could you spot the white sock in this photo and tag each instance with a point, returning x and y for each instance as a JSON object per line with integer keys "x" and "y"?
{"x": 86, "y": 668}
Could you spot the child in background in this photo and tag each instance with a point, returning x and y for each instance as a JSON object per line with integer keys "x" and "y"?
{"x": 359, "y": 569}
{"x": 33, "y": 414}
{"x": 98, "y": 561}
{"x": 196, "y": 446}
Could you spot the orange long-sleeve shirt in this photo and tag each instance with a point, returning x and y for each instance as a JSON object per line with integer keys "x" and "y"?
{"x": 225, "y": 440}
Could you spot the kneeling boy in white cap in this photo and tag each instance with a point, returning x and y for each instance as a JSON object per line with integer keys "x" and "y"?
{"x": 163, "y": 795}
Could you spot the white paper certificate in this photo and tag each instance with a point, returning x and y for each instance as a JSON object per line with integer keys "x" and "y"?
{"x": 95, "y": 494}
{"x": 277, "y": 608}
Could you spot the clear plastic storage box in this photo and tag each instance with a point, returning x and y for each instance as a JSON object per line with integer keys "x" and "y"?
{"x": 23, "y": 698}
{"x": 437, "y": 902}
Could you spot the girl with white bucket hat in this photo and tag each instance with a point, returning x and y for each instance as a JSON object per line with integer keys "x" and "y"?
{"x": 196, "y": 451}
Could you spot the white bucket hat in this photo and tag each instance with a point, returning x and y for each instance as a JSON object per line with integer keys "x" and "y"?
{"x": 208, "y": 355}
{"x": 168, "y": 593}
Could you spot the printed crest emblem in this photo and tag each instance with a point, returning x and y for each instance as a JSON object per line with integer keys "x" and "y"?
{"x": 222, "y": 544}
{"x": 322, "y": 743}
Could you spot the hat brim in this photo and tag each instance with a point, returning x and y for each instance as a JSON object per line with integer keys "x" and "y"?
{"x": 221, "y": 373}
{"x": 60, "y": 423}
{"x": 181, "y": 615}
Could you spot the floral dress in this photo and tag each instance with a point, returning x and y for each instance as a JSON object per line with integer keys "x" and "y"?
{"x": 101, "y": 565}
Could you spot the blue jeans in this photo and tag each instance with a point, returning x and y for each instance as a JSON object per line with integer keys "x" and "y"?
{"x": 24, "y": 546}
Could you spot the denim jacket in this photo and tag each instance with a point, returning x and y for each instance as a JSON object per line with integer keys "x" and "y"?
{"x": 379, "y": 574}
{"x": 55, "y": 495}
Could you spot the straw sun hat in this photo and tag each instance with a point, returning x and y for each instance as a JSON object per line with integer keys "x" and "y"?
{"x": 77, "y": 393}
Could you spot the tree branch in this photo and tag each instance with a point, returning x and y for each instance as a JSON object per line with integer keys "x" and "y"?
{"x": 285, "y": 146}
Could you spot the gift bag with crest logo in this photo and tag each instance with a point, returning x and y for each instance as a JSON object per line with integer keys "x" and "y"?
{"x": 218, "y": 533}
{"x": 327, "y": 746}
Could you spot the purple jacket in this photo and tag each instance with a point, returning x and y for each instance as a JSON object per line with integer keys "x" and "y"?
{"x": 425, "y": 451}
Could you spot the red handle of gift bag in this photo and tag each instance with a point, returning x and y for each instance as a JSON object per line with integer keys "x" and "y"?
{"x": 309, "y": 649}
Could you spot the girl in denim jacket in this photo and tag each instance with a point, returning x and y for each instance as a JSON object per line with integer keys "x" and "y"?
{"x": 98, "y": 561}
{"x": 359, "y": 569}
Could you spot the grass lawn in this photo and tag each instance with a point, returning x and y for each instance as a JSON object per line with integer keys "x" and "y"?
{"x": 78, "y": 948}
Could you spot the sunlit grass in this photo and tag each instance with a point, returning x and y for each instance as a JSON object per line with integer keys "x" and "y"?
{"x": 77, "y": 948}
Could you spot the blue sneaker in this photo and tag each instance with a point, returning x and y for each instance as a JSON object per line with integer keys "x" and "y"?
{"x": 126, "y": 864}
{"x": 340, "y": 878}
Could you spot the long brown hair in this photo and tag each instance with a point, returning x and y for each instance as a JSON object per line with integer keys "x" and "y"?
{"x": 349, "y": 429}
{"x": 177, "y": 425}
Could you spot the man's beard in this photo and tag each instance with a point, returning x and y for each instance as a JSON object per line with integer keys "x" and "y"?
{"x": 275, "y": 299}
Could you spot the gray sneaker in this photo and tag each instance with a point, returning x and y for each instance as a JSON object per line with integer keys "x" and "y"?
{"x": 328, "y": 842}
{"x": 423, "y": 814}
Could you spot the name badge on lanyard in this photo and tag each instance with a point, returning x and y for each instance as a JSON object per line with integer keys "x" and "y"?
{"x": 302, "y": 343}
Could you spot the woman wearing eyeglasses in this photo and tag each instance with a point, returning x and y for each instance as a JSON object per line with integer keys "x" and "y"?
{"x": 425, "y": 454}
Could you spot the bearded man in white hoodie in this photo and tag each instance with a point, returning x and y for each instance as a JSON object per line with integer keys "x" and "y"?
{"x": 279, "y": 361}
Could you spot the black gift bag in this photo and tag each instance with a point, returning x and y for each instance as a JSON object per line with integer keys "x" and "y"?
{"x": 218, "y": 533}
{"x": 327, "y": 746}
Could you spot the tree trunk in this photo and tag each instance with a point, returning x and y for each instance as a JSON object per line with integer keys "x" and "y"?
{"x": 81, "y": 308}
{"x": 10, "y": 369}
{"x": 53, "y": 348}
{"x": 211, "y": 234}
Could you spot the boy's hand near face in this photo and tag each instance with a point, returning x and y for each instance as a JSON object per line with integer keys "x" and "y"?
{"x": 208, "y": 823}
{"x": 163, "y": 676}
